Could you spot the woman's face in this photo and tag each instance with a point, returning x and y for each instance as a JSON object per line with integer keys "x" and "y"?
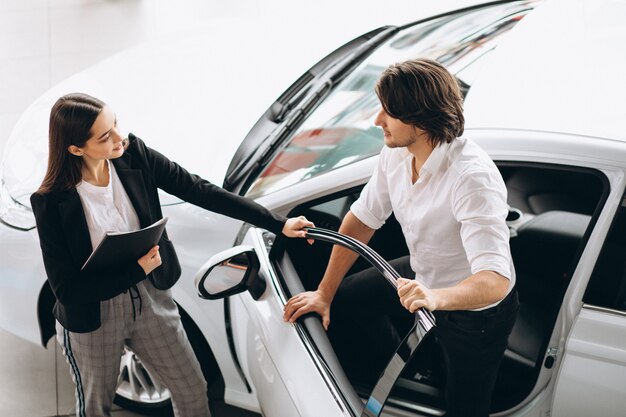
{"x": 105, "y": 141}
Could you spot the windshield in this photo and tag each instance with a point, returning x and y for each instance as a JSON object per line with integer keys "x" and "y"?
{"x": 341, "y": 130}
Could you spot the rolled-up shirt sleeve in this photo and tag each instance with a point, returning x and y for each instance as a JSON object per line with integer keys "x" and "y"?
{"x": 373, "y": 207}
{"x": 479, "y": 205}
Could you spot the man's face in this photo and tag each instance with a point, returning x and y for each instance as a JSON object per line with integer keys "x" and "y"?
{"x": 397, "y": 133}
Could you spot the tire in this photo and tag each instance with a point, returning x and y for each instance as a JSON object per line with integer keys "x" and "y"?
{"x": 138, "y": 391}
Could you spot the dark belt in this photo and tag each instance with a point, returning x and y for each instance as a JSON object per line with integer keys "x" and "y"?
{"x": 134, "y": 295}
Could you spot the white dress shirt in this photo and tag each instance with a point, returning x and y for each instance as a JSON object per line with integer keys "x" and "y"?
{"x": 453, "y": 217}
{"x": 107, "y": 209}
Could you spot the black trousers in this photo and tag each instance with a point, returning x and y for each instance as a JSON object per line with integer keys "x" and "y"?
{"x": 368, "y": 323}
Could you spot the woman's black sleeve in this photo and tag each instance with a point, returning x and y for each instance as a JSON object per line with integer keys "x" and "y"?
{"x": 174, "y": 179}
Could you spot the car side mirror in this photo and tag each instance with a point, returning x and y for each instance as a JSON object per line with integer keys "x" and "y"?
{"x": 230, "y": 272}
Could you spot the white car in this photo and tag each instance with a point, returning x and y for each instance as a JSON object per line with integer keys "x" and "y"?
{"x": 543, "y": 97}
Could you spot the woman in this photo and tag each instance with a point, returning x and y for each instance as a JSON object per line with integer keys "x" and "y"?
{"x": 96, "y": 182}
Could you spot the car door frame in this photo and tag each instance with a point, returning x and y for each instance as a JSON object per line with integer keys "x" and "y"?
{"x": 276, "y": 357}
{"x": 569, "y": 151}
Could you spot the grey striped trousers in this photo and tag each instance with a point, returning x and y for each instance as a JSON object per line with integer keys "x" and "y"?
{"x": 152, "y": 328}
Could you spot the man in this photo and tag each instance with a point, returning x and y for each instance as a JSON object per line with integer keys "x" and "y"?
{"x": 450, "y": 201}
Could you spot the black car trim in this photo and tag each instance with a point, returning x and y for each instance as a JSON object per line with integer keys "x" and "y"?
{"x": 321, "y": 87}
{"x": 246, "y": 157}
{"x": 228, "y": 324}
{"x": 244, "y": 167}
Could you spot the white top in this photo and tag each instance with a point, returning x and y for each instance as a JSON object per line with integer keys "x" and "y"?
{"x": 453, "y": 217}
{"x": 107, "y": 209}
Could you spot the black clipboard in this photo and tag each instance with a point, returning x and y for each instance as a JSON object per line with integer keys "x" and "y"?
{"x": 123, "y": 247}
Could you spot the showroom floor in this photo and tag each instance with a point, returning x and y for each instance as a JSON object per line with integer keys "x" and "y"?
{"x": 36, "y": 382}
{"x": 45, "y": 41}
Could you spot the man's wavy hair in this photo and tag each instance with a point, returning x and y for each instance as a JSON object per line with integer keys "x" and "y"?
{"x": 422, "y": 93}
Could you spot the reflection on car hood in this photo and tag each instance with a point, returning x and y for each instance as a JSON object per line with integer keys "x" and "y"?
{"x": 193, "y": 99}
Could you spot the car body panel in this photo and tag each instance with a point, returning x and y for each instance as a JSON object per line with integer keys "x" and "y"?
{"x": 19, "y": 313}
{"x": 272, "y": 354}
{"x": 188, "y": 224}
{"x": 594, "y": 362}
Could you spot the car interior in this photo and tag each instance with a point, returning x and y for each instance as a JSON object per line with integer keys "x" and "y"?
{"x": 551, "y": 211}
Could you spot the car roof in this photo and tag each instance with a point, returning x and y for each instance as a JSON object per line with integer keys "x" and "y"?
{"x": 559, "y": 70}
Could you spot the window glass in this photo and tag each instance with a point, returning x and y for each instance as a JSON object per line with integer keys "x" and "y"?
{"x": 341, "y": 130}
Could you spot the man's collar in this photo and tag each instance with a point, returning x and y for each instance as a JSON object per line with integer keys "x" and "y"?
{"x": 434, "y": 160}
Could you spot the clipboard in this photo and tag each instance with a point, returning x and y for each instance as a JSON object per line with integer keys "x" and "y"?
{"x": 123, "y": 247}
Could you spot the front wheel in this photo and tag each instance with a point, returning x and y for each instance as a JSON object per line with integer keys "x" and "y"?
{"x": 137, "y": 390}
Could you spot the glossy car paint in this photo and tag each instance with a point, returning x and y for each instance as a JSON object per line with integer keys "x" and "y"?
{"x": 519, "y": 109}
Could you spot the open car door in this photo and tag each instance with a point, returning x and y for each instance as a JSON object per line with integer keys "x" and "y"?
{"x": 424, "y": 322}
{"x": 301, "y": 377}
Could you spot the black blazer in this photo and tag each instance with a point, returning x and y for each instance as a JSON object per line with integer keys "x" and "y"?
{"x": 66, "y": 245}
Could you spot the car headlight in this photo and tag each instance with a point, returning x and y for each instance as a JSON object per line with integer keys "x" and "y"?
{"x": 18, "y": 216}
{"x": 13, "y": 213}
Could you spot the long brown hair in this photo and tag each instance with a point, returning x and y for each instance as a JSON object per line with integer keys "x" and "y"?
{"x": 422, "y": 93}
{"x": 71, "y": 119}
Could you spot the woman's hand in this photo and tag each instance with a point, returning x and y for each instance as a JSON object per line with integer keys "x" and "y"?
{"x": 413, "y": 295}
{"x": 294, "y": 227}
{"x": 151, "y": 260}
